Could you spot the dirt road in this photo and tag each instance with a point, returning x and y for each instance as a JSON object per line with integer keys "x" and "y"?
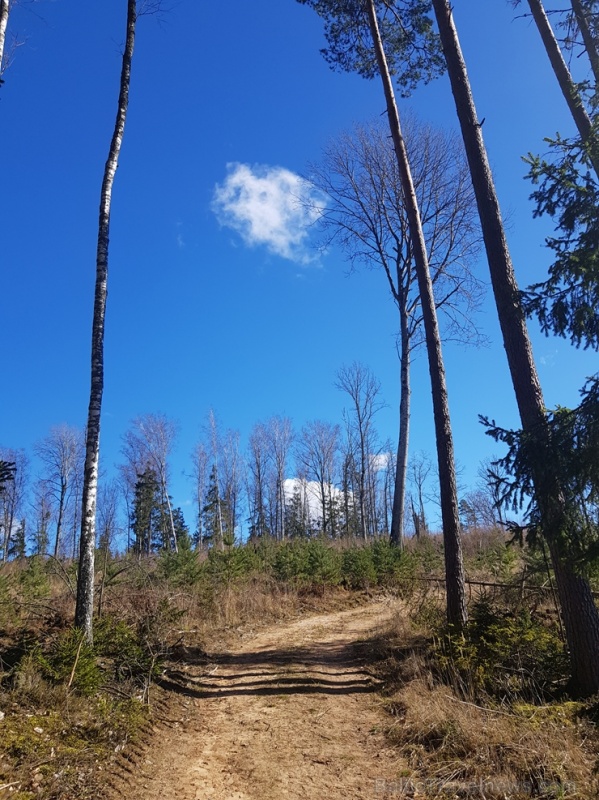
{"x": 290, "y": 713}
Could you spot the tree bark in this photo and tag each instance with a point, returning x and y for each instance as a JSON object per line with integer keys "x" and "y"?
{"x": 454, "y": 569}
{"x": 61, "y": 503}
{"x": 588, "y": 39}
{"x": 569, "y": 89}
{"x": 85, "y": 581}
{"x": 581, "y": 617}
{"x": 581, "y": 624}
{"x": 4, "y": 9}
{"x": 401, "y": 467}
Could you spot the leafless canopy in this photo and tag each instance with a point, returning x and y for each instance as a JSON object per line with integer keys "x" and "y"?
{"x": 365, "y": 215}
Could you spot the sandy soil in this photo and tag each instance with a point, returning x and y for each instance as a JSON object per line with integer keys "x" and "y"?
{"x": 290, "y": 713}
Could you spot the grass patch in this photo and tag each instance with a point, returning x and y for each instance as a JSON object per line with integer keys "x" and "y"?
{"x": 485, "y": 714}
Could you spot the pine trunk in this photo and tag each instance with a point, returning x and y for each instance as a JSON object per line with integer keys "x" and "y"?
{"x": 580, "y": 615}
{"x": 85, "y": 580}
{"x": 569, "y": 89}
{"x": 581, "y": 624}
{"x": 589, "y": 41}
{"x": 454, "y": 569}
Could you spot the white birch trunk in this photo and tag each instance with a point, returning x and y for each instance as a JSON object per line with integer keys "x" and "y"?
{"x": 4, "y": 9}
{"x": 85, "y": 580}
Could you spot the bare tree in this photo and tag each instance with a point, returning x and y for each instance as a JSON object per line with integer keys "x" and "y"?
{"x": 363, "y": 390}
{"x": 108, "y": 509}
{"x": 366, "y": 214}
{"x": 200, "y": 459}
{"x": 61, "y": 453}
{"x": 231, "y": 475}
{"x": 316, "y": 452}
{"x": 350, "y": 525}
{"x": 148, "y": 445}
{"x": 257, "y": 481}
{"x": 279, "y": 436}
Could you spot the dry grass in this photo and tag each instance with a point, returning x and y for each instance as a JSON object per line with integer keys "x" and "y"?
{"x": 456, "y": 748}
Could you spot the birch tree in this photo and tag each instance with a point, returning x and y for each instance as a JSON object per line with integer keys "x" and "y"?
{"x": 4, "y": 11}
{"x": 279, "y": 436}
{"x": 316, "y": 454}
{"x": 85, "y": 580}
{"x": 61, "y": 453}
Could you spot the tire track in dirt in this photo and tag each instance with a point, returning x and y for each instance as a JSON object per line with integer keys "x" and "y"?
{"x": 292, "y": 713}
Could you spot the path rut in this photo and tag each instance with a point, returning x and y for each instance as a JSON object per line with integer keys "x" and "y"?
{"x": 292, "y": 713}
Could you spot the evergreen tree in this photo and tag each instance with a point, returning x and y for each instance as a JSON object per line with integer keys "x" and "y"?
{"x": 214, "y": 512}
{"x": 182, "y": 535}
{"x": 7, "y": 473}
{"x": 143, "y": 518}
{"x": 297, "y": 516}
{"x": 18, "y": 543}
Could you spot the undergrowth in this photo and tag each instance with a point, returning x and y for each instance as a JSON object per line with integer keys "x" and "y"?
{"x": 486, "y": 702}
{"x": 485, "y": 713}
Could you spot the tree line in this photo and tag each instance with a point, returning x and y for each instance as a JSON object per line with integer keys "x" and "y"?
{"x": 334, "y": 480}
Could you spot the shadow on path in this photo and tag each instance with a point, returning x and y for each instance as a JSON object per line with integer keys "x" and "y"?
{"x": 316, "y": 668}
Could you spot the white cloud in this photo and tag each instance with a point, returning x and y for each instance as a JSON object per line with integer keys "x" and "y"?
{"x": 381, "y": 461}
{"x": 269, "y": 206}
{"x": 549, "y": 358}
{"x": 309, "y": 492}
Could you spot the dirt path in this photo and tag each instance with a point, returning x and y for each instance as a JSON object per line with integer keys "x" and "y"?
{"x": 291, "y": 713}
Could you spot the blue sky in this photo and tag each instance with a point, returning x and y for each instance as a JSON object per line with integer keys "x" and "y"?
{"x": 203, "y": 312}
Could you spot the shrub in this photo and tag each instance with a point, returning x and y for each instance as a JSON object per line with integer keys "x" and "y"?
{"x": 503, "y": 653}
{"x": 71, "y": 661}
{"x": 33, "y": 579}
{"x": 131, "y": 659}
{"x": 179, "y": 569}
{"x": 323, "y": 563}
{"x": 232, "y": 563}
{"x": 357, "y": 568}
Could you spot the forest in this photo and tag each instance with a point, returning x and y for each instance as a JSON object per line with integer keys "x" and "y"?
{"x": 468, "y": 605}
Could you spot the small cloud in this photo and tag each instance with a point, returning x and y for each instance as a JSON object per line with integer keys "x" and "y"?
{"x": 180, "y": 242}
{"x": 269, "y": 206}
{"x": 548, "y": 359}
{"x": 380, "y": 461}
